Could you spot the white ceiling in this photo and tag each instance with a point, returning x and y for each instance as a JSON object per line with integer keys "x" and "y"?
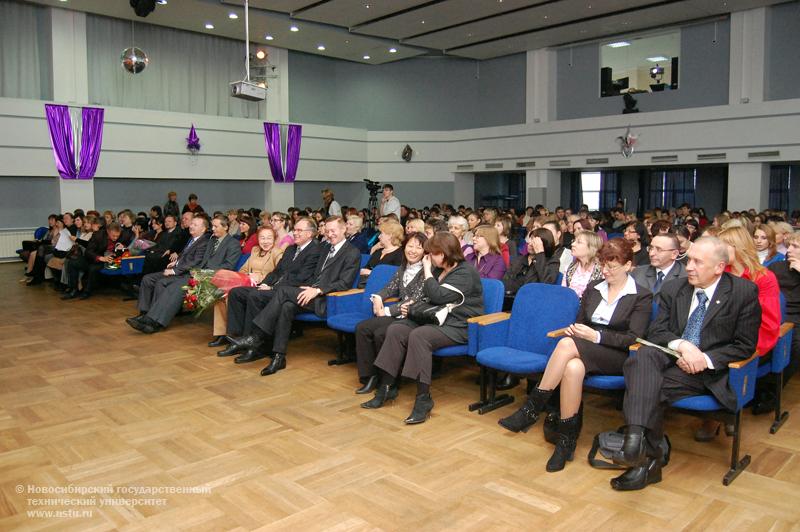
{"x": 476, "y": 29}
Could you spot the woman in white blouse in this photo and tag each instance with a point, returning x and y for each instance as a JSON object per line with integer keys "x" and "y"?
{"x": 613, "y": 313}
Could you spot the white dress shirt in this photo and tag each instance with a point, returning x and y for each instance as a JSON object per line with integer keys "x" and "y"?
{"x": 605, "y": 310}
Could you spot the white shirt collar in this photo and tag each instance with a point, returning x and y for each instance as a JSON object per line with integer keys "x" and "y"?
{"x": 665, "y": 271}
{"x": 709, "y": 290}
{"x": 338, "y": 246}
{"x": 628, "y": 289}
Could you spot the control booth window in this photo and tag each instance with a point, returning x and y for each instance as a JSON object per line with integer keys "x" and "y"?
{"x": 640, "y": 64}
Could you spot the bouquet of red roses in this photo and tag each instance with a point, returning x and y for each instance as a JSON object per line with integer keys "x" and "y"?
{"x": 200, "y": 292}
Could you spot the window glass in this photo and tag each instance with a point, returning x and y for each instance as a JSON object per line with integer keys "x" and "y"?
{"x": 639, "y": 64}
{"x": 590, "y": 190}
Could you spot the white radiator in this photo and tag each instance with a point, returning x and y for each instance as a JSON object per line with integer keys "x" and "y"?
{"x": 11, "y": 241}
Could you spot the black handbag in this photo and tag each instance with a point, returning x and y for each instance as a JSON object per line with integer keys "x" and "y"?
{"x": 424, "y": 313}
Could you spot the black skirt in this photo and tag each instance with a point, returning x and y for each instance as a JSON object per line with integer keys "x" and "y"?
{"x": 600, "y": 359}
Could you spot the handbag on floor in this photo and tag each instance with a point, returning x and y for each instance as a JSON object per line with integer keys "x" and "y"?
{"x": 609, "y": 445}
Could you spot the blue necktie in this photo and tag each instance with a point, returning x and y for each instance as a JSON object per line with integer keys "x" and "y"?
{"x": 692, "y": 331}
{"x": 659, "y": 280}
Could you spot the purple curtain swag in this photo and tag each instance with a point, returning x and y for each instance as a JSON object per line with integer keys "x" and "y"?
{"x": 272, "y": 135}
{"x": 60, "y": 125}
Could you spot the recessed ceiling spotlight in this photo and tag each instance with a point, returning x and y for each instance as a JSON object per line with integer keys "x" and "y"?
{"x": 392, "y": 50}
{"x": 422, "y": 22}
{"x": 366, "y": 57}
{"x": 366, "y": 6}
{"x": 656, "y": 58}
{"x": 209, "y": 26}
{"x": 261, "y": 54}
{"x": 269, "y": 37}
{"x": 233, "y": 16}
{"x": 618, "y": 44}
{"x": 321, "y": 47}
{"x": 162, "y": 2}
{"x": 294, "y": 28}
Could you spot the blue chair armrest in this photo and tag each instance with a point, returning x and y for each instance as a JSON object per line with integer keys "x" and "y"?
{"x": 782, "y": 352}
{"x": 490, "y": 330}
{"x": 346, "y": 301}
{"x": 742, "y": 378}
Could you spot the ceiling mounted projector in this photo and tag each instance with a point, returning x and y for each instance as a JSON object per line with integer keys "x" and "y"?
{"x": 143, "y": 7}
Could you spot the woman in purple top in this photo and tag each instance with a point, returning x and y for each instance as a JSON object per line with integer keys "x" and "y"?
{"x": 486, "y": 256}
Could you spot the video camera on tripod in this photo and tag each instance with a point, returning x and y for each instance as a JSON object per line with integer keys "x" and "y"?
{"x": 372, "y": 207}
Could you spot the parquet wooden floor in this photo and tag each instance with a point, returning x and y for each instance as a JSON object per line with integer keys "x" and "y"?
{"x": 86, "y": 403}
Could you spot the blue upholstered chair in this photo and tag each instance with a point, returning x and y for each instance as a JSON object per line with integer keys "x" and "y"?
{"x": 349, "y": 308}
{"x": 773, "y": 368}
{"x": 242, "y": 259}
{"x": 518, "y": 343}
{"x": 493, "y": 293}
{"x": 364, "y": 259}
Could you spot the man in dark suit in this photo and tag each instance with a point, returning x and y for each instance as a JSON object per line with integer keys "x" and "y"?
{"x": 99, "y": 251}
{"x": 160, "y": 295}
{"x": 711, "y": 318}
{"x": 663, "y": 251}
{"x": 336, "y": 270}
{"x": 296, "y": 268}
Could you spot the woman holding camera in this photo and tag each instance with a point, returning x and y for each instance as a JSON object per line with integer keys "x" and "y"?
{"x": 410, "y": 342}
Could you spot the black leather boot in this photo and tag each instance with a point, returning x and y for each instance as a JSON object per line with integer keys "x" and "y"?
{"x": 637, "y": 478}
{"x": 524, "y": 418}
{"x": 422, "y": 409}
{"x": 384, "y": 393}
{"x": 567, "y": 431}
{"x": 278, "y": 363}
{"x": 368, "y": 386}
{"x": 634, "y": 447}
{"x": 243, "y": 343}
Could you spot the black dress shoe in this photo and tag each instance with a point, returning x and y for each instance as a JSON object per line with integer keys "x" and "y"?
{"x": 70, "y": 294}
{"x": 231, "y": 350}
{"x": 251, "y": 341}
{"x": 421, "y": 411}
{"x": 508, "y": 382}
{"x": 370, "y": 385}
{"x": 136, "y": 322}
{"x": 251, "y": 355}
{"x": 85, "y": 295}
{"x": 151, "y": 326}
{"x": 278, "y": 363}
{"x": 632, "y": 453}
{"x": 218, "y": 341}
{"x": 637, "y": 478}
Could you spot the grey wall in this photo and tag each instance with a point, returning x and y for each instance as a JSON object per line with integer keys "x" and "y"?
{"x": 141, "y": 194}
{"x": 354, "y": 194}
{"x": 437, "y": 93}
{"x": 702, "y": 80}
{"x": 27, "y": 201}
{"x": 782, "y": 64}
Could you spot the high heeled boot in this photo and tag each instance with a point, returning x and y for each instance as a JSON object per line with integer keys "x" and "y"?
{"x": 567, "y": 432}
{"x": 524, "y": 418}
{"x": 383, "y": 393}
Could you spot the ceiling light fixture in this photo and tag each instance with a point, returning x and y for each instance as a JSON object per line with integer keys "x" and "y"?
{"x": 657, "y": 58}
{"x": 162, "y": 2}
{"x": 268, "y": 37}
{"x": 294, "y": 28}
{"x": 209, "y": 26}
{"x": 618, "y": 44}
{"x": 233, "y": 16}
{"x": 366, "y": 57}
{"x": 321, "y": 47}
{"x": 261, "y": 54}
{"x": 392, "y": 50}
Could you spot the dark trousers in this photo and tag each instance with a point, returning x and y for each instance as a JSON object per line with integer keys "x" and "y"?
{"x": 276, "y": 319}
{"x": 652, "y": 381}
{"x": 78, "y": 268}
{"x": 162, "y": 296}
{"x": 244, "y": 304}
{"x": 370, "y": 335}
{"x": 412, "y": 349}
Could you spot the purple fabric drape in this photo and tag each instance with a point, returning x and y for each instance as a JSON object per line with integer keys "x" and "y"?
{"x": 272, "y": 136}
{"x": 60, "y": 126}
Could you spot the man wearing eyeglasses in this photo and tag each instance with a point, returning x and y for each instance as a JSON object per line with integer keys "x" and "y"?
{"x": 663, "y": 251}
{"x": 296, "y": 268}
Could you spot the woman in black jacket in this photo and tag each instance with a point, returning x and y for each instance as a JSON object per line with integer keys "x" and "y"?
{"x": 613, "y": 313}
{"x": 538, "y": 266}
{"x": 449, "y": 279}
{"x": 406, "y": 285}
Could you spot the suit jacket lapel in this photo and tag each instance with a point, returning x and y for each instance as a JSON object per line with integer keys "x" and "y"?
{"x": 721, "y": 295}
{"x": 682, "y": 302}
{"x": 623, "y": 307}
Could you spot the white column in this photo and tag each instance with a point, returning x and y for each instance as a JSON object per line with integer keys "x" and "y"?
{"x": 747, "y": 56}
{"x": 278, "y": 196}
{"x": 540, "y": 86}
{"x": 71, "y": 86}
{"x": 543, "y": 187}
{"x": 464, "y": 190}
{"x": 748, "y": 186}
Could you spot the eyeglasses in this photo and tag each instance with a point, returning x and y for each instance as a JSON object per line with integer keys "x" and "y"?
{"x": 658, "y": 249}
{"x": 610, "y": 268}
